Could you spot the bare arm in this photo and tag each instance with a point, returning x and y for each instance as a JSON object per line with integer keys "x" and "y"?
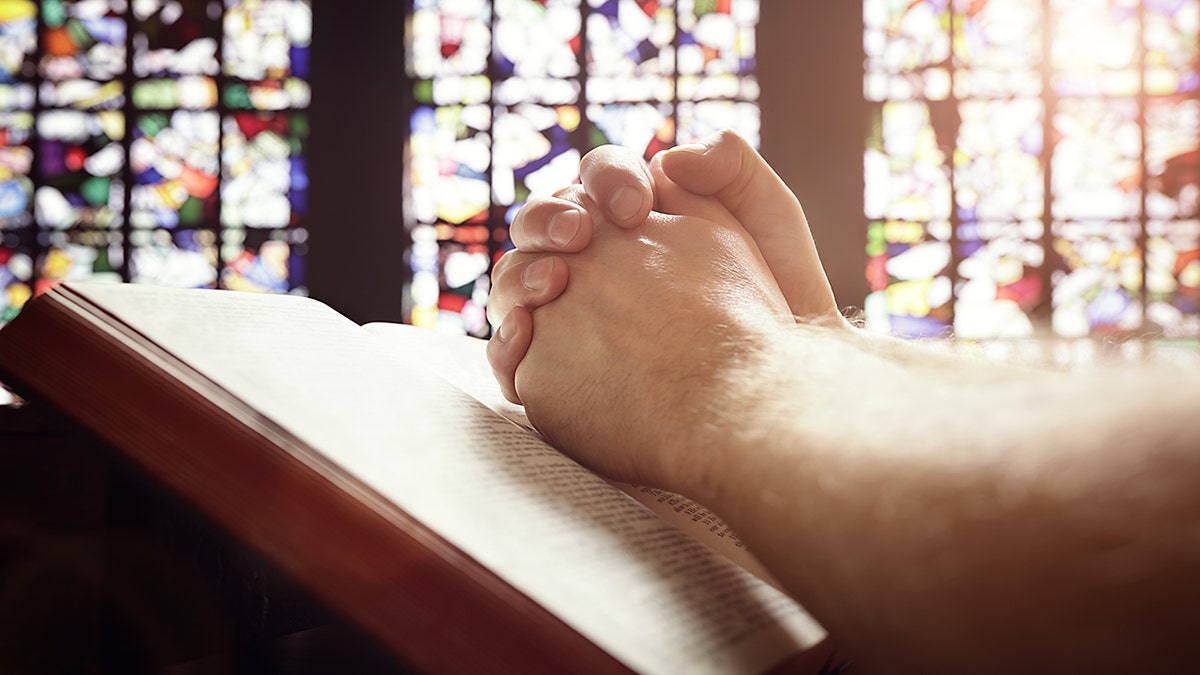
{"x": 1040, "y": 521}
{"x": 934, "y": 511}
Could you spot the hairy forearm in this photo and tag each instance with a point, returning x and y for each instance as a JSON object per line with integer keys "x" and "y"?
{"x": 936, "y": 519}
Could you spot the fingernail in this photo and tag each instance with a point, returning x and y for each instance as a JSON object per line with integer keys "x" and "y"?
{"x": 537, "y": 274}
{"x": 625, "y": 202}
{"x": 503, "y": 332}
{"x": 563, "y": 227}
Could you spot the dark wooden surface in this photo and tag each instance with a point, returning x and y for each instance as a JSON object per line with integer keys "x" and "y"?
{"x": 101, "y": 571}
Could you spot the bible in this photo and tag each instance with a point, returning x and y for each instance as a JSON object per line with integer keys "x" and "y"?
{"x": 380, "y": 467}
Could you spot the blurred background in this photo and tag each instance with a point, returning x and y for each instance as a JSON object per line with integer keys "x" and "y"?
{"x": 984, "y": 169}
{"x": 998, "y": 170}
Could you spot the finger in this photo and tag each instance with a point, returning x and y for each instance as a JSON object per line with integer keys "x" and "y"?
{"x": 616, "y": 179}
{"x": 508, "y": 258}
{"x": 507, "y": 347}
{"x": 551, "y": 224}
{"x": 529, "y": 280}
{"x": 727, "y": 167}
{"x": 672, "y": 198}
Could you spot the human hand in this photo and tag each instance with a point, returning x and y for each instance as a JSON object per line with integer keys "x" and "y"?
{"x": 647, "y": 343}
{"x": 724, "y": 166}
{"x": 619, "y": 189}
{"x": 728, "y": 168}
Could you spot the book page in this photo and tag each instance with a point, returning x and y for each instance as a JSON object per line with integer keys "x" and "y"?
{"x": 640, "y": 589}
{"x": 463, "y": 362}
{"x": 460, "y": 360}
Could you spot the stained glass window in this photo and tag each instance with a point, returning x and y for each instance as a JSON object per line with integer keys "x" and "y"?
{"x": 1033, "y": 163}
{"x": 156, "y": 141}
{"x": 509, "y": 96}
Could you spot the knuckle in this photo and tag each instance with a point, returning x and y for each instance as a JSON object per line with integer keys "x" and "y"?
{"x": 572, "y": 193}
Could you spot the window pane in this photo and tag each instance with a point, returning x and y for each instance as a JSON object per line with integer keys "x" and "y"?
{"x": 1092, "y": 100}
{"x": 484, "y": 140}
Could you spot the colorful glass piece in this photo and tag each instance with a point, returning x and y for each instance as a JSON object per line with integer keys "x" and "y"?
{"x": 910, "y": 292}
{"x": 79, "y": 255}
{"x": 907, "y": 172}
{"x": 1096, "y": 164}
{"x": 1000, "y": 277}
{"x": 716, "y": 54}
{"x": 449, "y": 38}
{"x": 536, "y": 40}
{"x": 18, "y": 45}
{"x": 174, "y": 163}
{"x": 265, "y": 175}
{"x": 533, "y": 153}
{"x": 705, "y": 118}
{"x": 266, "y": 53}
{"x": 630, "y": 50}
{"x": 997, "y": 48}
{"x": 1172, "y": 31}
{"x": 450, "y": 158}
{"x": 997, "y": 160}
{"x": 1095, "y": 47}
{"x": 17, "y": 255}
{"x": 83, "y": 40}
{"x": 1173, "y": 277}
{"x": 449, "y": 162}
{"x": 648, "y": 128}
{"x": 174, "y": 38}
{"x": 16, "y": 163}
{"x": 1172, "y": 158}
{"x": 179, "y": 258}
{"x": 906, "y": 36}
{"x": 189, "y": 93}
{"x": 79, "y": 160}
{"x": 264, "y": 261}
{"x": 1097, "y": 279}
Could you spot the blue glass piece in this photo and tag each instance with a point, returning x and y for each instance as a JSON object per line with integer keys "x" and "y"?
{"x": 106, "y": 29}
{"x": 300, "y": 61}
{"x": 13, "y": 199}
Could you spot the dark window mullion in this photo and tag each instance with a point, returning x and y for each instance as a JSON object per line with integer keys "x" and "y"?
{"x": 39, "y": 242}
{"x": 1143, "y": 101}
{"x": 222, "y": 110}
{"x": 583, "y": 133}
{"x": 953, "y": 109}
{"x": 130, "y": 113}
{"x": 1045, "y": 309}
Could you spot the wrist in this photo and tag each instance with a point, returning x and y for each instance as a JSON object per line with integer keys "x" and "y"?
{"x": 737, "y": 418}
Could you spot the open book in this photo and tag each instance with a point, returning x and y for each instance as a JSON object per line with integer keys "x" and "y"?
{"x": 380, "y": 466}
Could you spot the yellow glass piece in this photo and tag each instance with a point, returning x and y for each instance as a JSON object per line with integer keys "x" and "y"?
{"x": 910, "y": 297}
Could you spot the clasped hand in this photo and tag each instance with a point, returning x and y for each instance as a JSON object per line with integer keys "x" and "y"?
{"x": 635, "y": 300}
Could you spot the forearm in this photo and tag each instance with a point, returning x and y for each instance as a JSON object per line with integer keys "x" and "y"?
{"x": 918, "y": 514}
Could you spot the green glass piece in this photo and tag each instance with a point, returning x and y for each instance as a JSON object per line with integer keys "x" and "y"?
{"x": 158, "y": 94}
{"x": 79, "y": 34}
{"x": 876, "y": 241}
{"x": 102, "y": 263}
{"x": 53, "y": 13}
{"x": 423, "y": 91}
{"x": 299, "y": 124}
{"x": 153, "y": 123}
{"x": 95, "y": 190}
{"x": 191, "y": 212}
{"x": 237, "y": 95}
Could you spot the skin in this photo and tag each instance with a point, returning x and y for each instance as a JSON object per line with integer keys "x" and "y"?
{"x": 936, "y": 513}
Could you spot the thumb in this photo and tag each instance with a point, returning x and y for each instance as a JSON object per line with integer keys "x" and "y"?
{"x": 725, "y": 166}
{"x": 617, "y": 180}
